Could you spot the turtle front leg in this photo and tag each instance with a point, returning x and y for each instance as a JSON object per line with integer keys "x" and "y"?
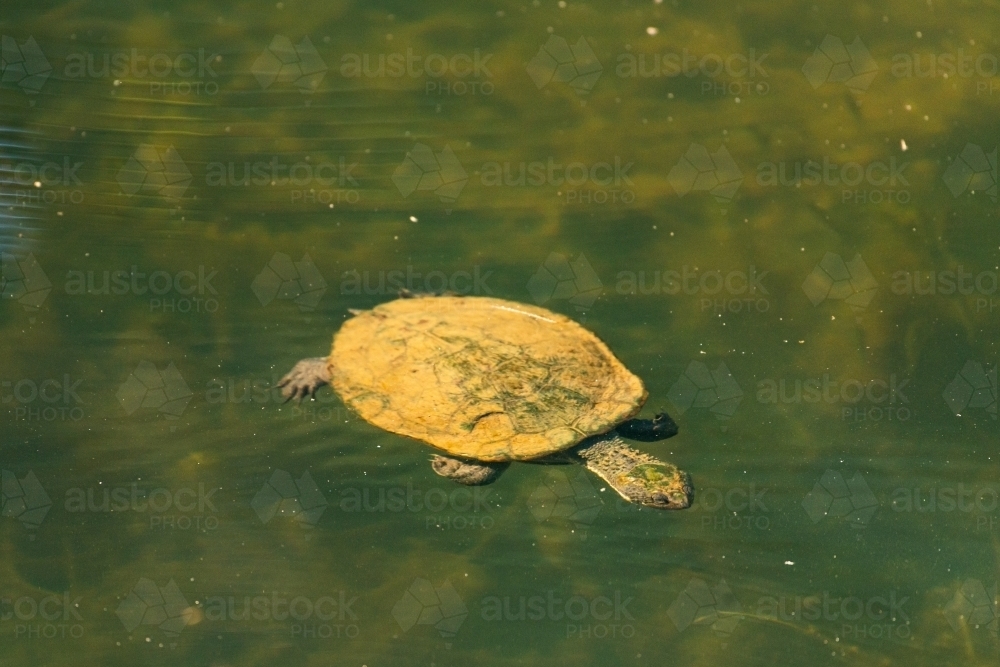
{"x": 470, "y": 473}
{"x": 659, "y": 427}
{"x": 305, "y": 378}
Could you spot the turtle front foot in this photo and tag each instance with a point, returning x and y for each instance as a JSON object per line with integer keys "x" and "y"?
{"x": 660, "y": 427}
{"x": 305, "y": 378}
{"x": 467, "y": 472}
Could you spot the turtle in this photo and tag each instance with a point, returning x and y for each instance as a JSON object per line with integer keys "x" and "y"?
{"x": 487, "y": 382}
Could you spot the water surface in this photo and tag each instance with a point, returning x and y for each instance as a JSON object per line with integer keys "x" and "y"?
{"x": 781, "y": 216}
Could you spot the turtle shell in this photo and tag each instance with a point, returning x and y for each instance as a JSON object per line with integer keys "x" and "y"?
{"x": 481, "y": 378}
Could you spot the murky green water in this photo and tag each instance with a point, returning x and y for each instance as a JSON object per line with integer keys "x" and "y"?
{"x": 781, "y": 216}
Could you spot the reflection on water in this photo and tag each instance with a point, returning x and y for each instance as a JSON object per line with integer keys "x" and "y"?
{"x": 18, "y": 208}
{"x": 783, "y": 220}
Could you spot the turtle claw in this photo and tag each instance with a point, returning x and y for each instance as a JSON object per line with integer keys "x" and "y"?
{"x": 297, "y": 391}
{"x": 305, "y": 379}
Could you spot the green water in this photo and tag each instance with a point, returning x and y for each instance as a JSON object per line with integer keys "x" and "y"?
{"x": 757, "y": 242}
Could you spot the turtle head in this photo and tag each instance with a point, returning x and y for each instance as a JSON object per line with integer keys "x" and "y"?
{"x": 658, "y": 485}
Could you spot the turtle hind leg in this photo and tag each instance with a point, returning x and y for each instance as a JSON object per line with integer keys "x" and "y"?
{"x": 634, "y": 475}
{"x": 470, "y": 473}
{"x": 305, "y": 378}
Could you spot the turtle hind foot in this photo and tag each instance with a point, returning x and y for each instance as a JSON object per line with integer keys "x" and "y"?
{"x": 305, "y": 378}
{"x": 470, "y": 473}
